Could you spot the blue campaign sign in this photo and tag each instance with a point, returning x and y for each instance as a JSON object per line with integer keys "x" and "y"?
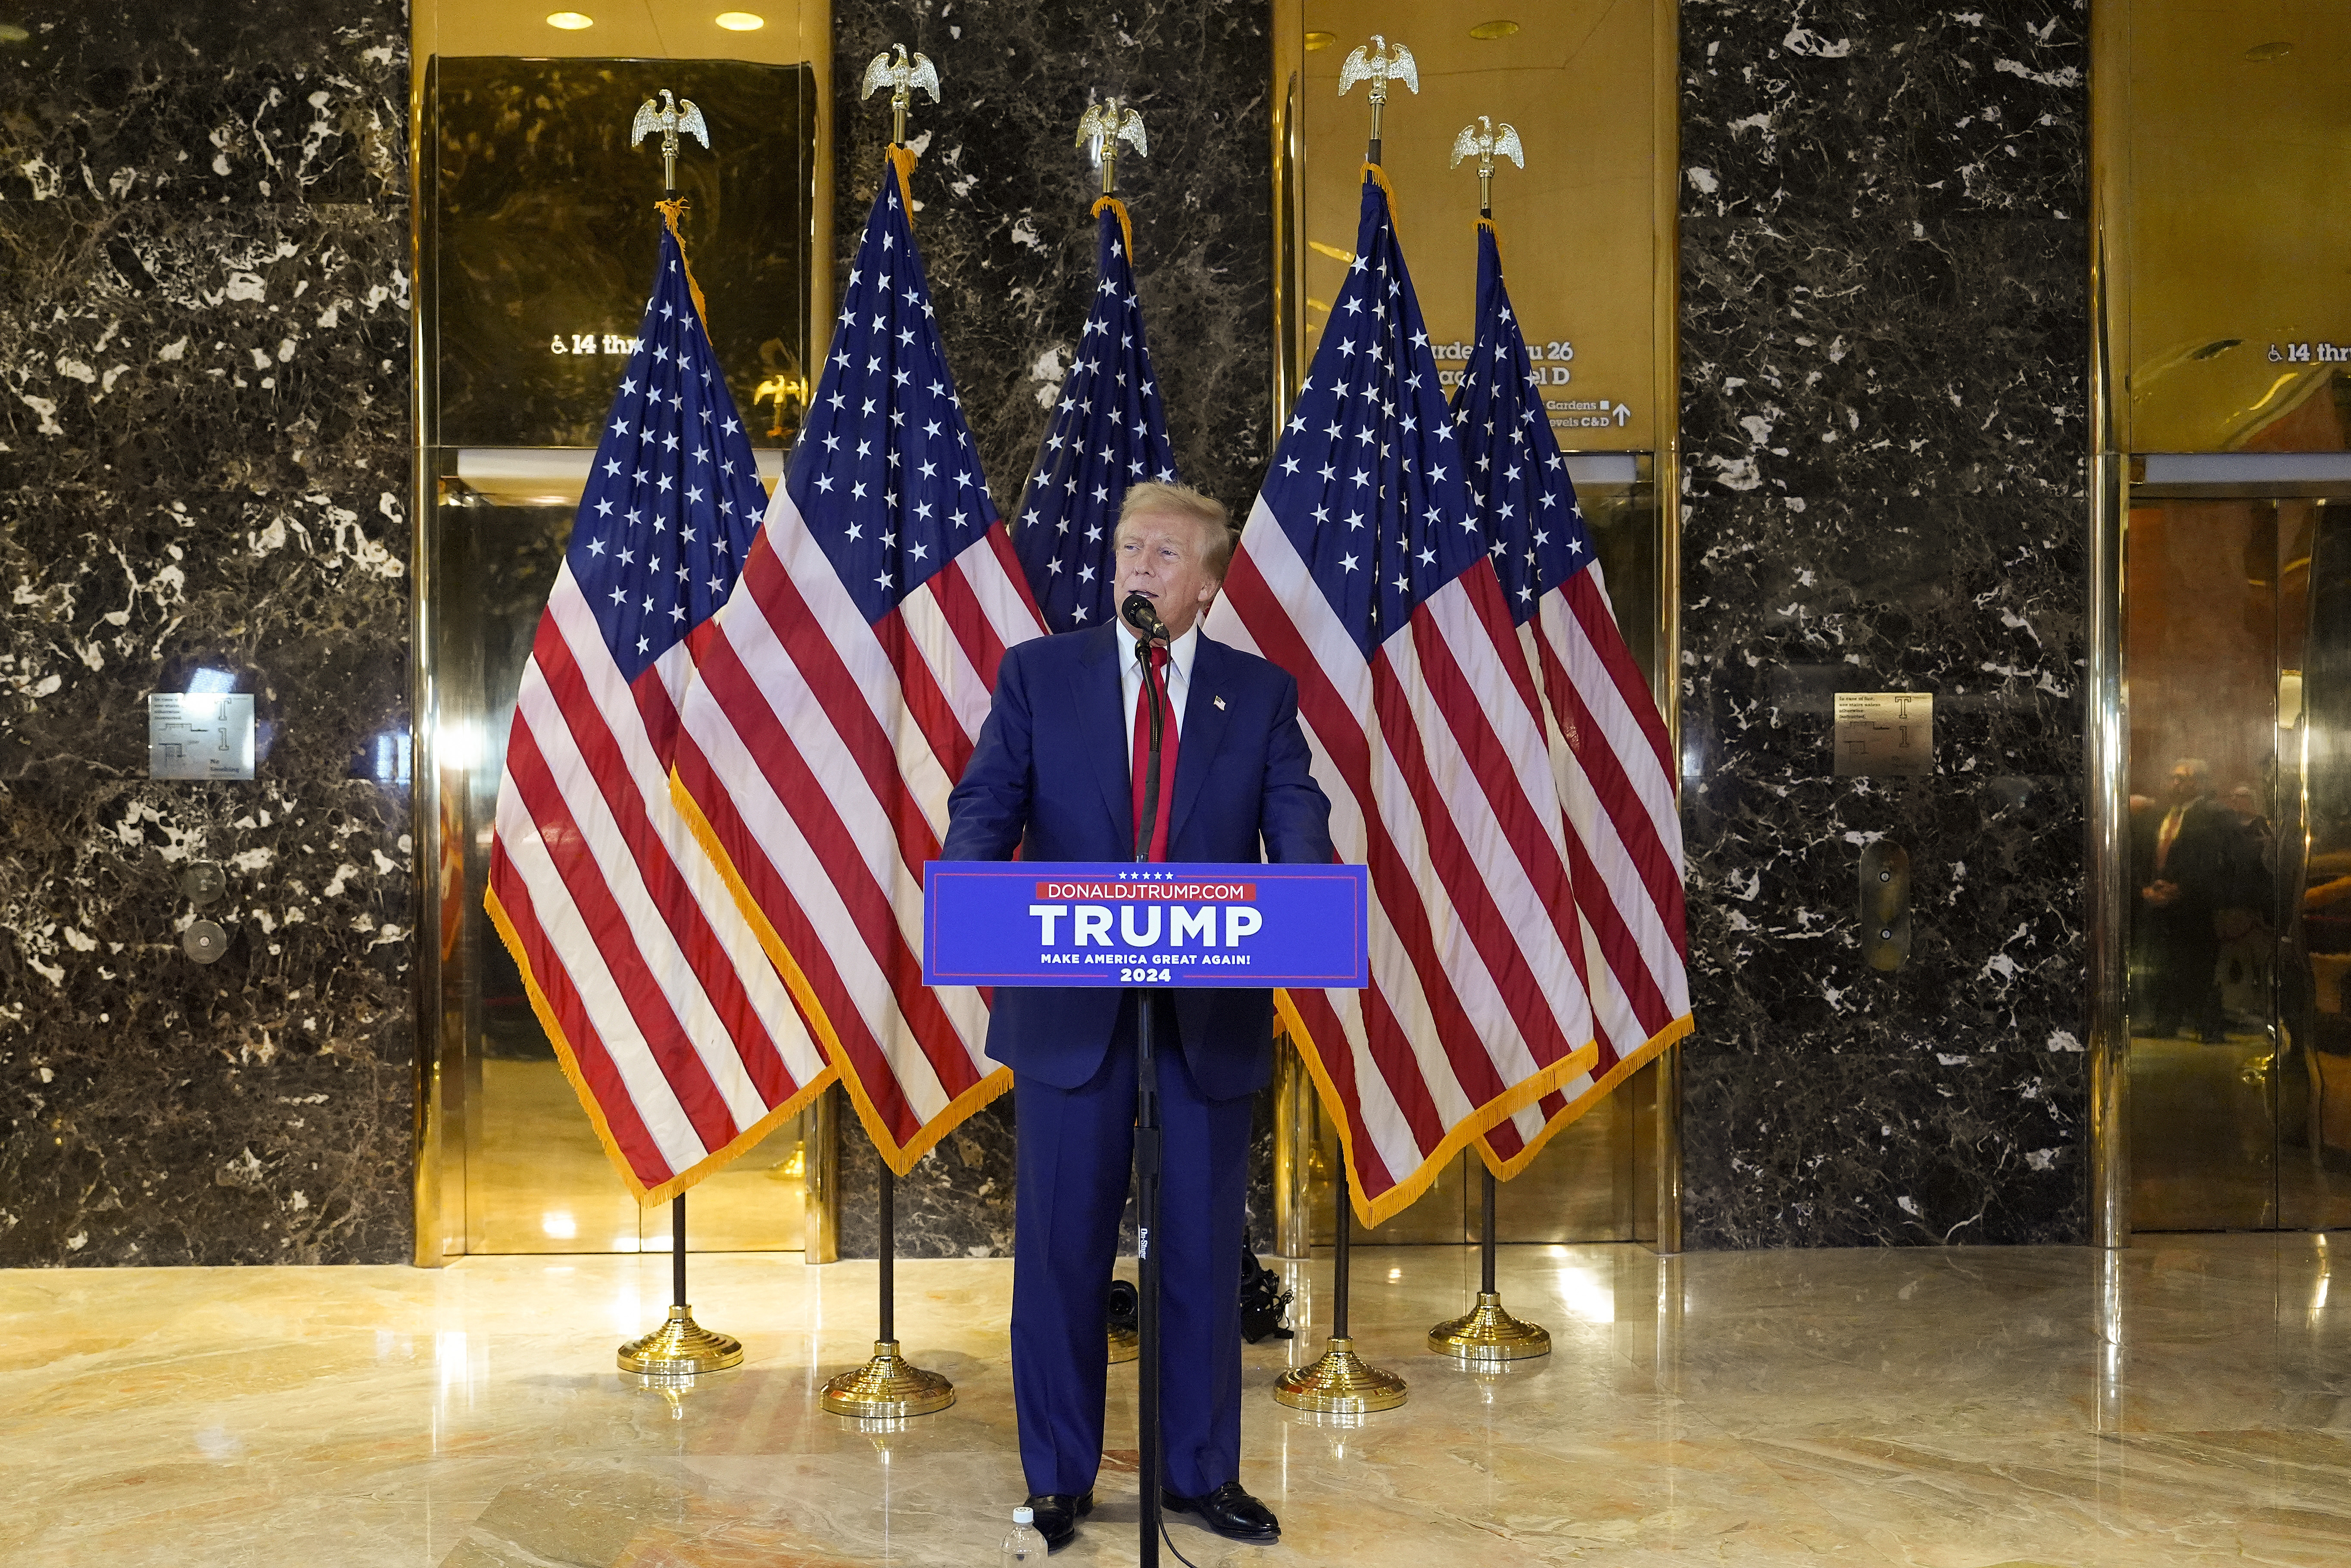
{"x": 999, "y": 922}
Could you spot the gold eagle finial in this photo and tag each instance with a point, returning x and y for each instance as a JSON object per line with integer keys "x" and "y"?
{"x": 902, "y": 76}
{"x": 1105, "y": 125}
{"x": 1379, "y": 63}
{"x": 671, "y": 116}
{"x": 1486, "y": 142}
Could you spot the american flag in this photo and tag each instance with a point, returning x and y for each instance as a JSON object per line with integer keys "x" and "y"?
{"x": 842, "y": 692}
{"x": 1608, "y": 746}
{"x": 1363, "y": 573}
{"x": 668, "y": 1018}
{"x": 1109, "y": 431}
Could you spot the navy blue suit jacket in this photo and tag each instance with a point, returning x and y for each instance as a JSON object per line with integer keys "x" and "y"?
{"x": 1051, "y": 777}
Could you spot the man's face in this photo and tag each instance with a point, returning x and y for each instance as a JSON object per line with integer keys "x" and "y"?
{"x": 1160, "y": 556}
{"x": 2182, "y": 789}
{"x": 2241, "y": 801}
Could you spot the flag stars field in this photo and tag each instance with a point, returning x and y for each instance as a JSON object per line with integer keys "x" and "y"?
{"x": 667, "y": 389}
{"x": 1109, "y": 430}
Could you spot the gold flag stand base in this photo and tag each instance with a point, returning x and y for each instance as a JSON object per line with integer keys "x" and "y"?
{"x": 1489, "y": 1334}
{"x": 681, "y": 1348}
{"x": 1126, "y": 1345}
{"x": 1340, "y": 1383}
{"x": 886, "y": 1387}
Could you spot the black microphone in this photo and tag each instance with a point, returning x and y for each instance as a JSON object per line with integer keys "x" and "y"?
{"x": 1144, "y": 616}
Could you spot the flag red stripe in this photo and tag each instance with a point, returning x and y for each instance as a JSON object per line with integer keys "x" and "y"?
{"x": 1494, "y": 612}
{"x": 773, "y": 751}
{"x": 1604, "y": 637}
{"x": 1609, "y": 927}
{"x": 1008, "y": 561}
{"x": 654, "y": 708}
{"x": 562, "y": 998}
{"x": 1490, "y": 758}
{"x": 960, "y": 608}
{"x": 860, "y": 1052}
{"x": 846, "y": 707}
{"x": 712, "y": 967}
{"x": 1473, "y": 901}
{"x": 1621, "y": 949}
{"x": 567, "y": 851}
{"x": 1613, "y": 784}
{"x": 1349, "y": 750}
{"x": 926, "y": 699}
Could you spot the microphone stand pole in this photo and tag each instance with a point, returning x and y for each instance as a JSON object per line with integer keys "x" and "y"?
{"x": 1146, "y": 1160}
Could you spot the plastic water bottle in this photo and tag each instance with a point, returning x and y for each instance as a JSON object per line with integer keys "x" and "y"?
{"x": 1024, "y": 1545}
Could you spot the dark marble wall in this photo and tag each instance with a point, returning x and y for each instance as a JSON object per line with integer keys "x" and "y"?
{"x": 203, "y": 464}
{"x": 1003, "y": 193}
{"x": 1884, "y": 323}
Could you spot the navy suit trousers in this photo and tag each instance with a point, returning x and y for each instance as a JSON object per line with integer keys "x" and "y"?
{"x": 1066, "y": 1239}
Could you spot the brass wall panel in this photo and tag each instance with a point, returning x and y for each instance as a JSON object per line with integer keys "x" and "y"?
{"x": 642, "y": 29}
{"x": 1581, "y": 227}
{"x": 2230, "y": 139}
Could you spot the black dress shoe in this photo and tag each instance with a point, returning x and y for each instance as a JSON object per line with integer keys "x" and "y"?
{"x": 1230, "y": 1512}
{"x": 1055, "y": 1515}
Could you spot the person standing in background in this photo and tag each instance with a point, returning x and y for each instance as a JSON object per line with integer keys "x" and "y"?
{"x": 2193, "y": 863}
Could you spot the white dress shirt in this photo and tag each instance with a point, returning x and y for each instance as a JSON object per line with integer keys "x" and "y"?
{"x": 1178, "y": 682}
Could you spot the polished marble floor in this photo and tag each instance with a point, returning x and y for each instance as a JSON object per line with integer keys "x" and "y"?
{"x": 2186, "y": 1402}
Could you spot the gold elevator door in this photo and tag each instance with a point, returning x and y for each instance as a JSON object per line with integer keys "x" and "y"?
{"x": 2237, "y": 666}
{"x": 536, "y": 1180}
{"x": 537, "y": 238}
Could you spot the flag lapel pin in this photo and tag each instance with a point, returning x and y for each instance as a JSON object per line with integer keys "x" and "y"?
{"x": 1219, "y": 702}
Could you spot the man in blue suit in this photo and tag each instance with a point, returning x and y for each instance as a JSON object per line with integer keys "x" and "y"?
{"x": 1056, "y": 775}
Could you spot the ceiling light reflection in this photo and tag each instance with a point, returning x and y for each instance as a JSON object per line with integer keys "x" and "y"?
{"x": 453, "y": 1360}
{"x": 741, "y": 21}
{"x": 570, "y": 21}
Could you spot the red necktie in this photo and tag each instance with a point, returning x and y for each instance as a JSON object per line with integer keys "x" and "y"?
{"x": 1140, "y": 765}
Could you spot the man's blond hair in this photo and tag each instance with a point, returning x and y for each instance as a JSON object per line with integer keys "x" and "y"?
{"x": 1152, "y": 496}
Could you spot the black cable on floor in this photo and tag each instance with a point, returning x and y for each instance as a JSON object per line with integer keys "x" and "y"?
{"x": 1171, "y": 1544}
